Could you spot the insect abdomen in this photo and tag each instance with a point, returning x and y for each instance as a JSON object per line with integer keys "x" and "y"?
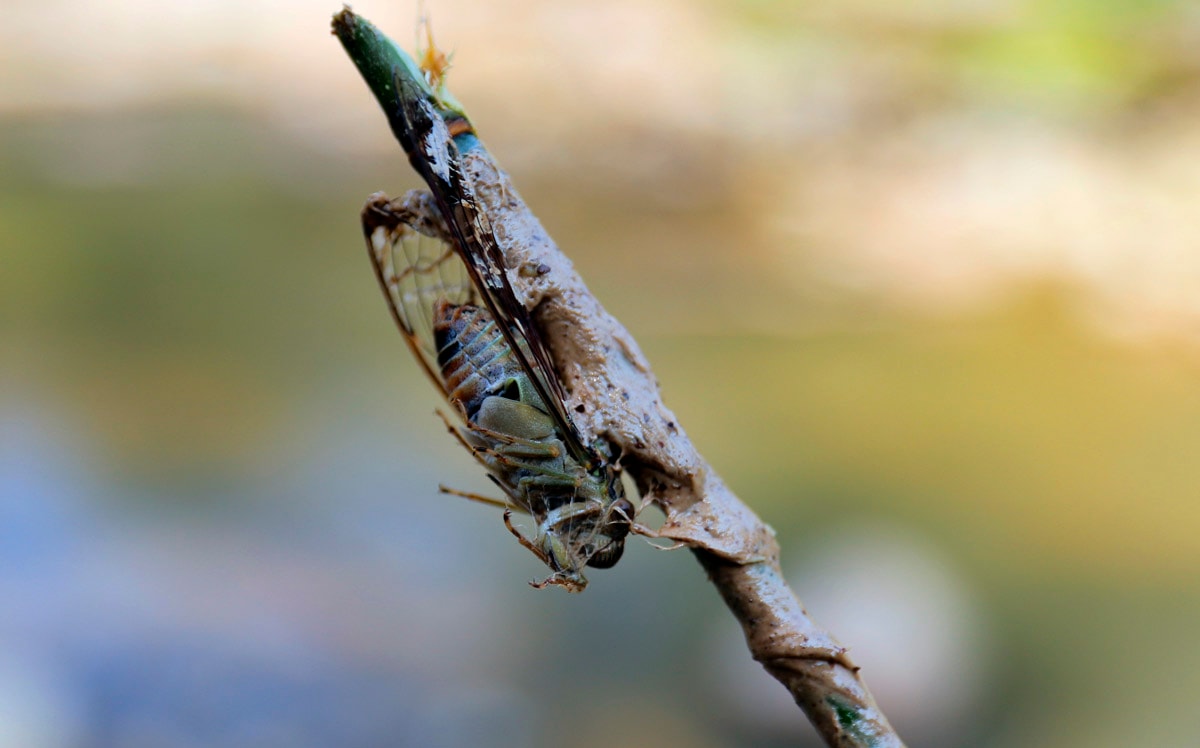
{"x": 475, "y": 359}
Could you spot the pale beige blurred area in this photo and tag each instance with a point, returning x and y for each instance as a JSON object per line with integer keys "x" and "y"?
{"x": 954, "y": 189}
{"x": 922, "y": 280}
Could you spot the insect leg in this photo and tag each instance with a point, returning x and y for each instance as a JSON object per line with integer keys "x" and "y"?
{"x": 548, "y": 480}
{"x": 531, "y": 447}
{"x": 454, "y": 430}
{"x": 416, "y": 208}
{"x": 524, "y": 540}
{"x": 486, "y": 457}
{"x": 493, "y": 460}
{"x": 648, "y": 532}
{"x": 557, "y": 580}
{"x": 482, "y": 499}
{"x": 553, "y": 579}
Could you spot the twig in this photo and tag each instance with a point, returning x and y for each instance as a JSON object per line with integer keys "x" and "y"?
{"x": 613, "y": 394}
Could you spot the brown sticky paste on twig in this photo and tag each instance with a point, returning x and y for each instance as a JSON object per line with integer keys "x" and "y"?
{"x": 600, "y": 362}
{"x": 612, "y": 393}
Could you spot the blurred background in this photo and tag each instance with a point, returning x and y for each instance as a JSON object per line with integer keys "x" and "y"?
{"x": 921, "y": 280}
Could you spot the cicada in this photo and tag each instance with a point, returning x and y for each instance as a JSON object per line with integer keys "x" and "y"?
{"x": 443, "y": 274}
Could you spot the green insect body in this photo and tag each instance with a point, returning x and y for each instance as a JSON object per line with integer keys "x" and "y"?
{"x": 575, "y": 497}
{"x": 582, "y": 514}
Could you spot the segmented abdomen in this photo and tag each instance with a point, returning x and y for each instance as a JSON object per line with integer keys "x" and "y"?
{"x": 475, "y": 359}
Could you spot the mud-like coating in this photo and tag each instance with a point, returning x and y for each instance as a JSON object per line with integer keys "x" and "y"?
{"x": 613, "y": 393}
{"x": 603, "y": 369}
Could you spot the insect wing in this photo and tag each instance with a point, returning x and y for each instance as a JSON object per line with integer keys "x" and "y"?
{"x": 416, "y": 267}
{"x": 433, "y": 153}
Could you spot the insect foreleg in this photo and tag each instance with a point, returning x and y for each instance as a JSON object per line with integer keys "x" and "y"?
{"x": 528, "y": 448}
{"x": 418, "y": 210}
{"x": 550, "y": 581}
{"x": 489, "y": 457}
{"x": 524, "y": 540}
{"x": 546, "y": 480}
{"x": 501, "y": 459}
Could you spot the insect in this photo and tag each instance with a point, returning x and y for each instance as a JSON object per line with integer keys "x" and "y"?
{"x": 442, "y": 272}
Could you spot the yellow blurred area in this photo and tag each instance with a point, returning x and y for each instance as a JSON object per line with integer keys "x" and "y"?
{"x": 921, "y": 280}
{"x": 1012, "y": 428}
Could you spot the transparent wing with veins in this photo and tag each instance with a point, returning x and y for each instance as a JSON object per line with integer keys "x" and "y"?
{"x": 416, "y": 266}
{"x": 433, "y": 153}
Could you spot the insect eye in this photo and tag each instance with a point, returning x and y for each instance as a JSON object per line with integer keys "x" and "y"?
{"x": 623, "y": 508}
{"x": 607, "y": 556}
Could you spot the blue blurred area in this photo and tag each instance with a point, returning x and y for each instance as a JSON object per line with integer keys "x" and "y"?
{"x": 226, "y": 630}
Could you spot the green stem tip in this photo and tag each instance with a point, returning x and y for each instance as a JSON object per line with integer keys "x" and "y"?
{"x": 387, "y": 69}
